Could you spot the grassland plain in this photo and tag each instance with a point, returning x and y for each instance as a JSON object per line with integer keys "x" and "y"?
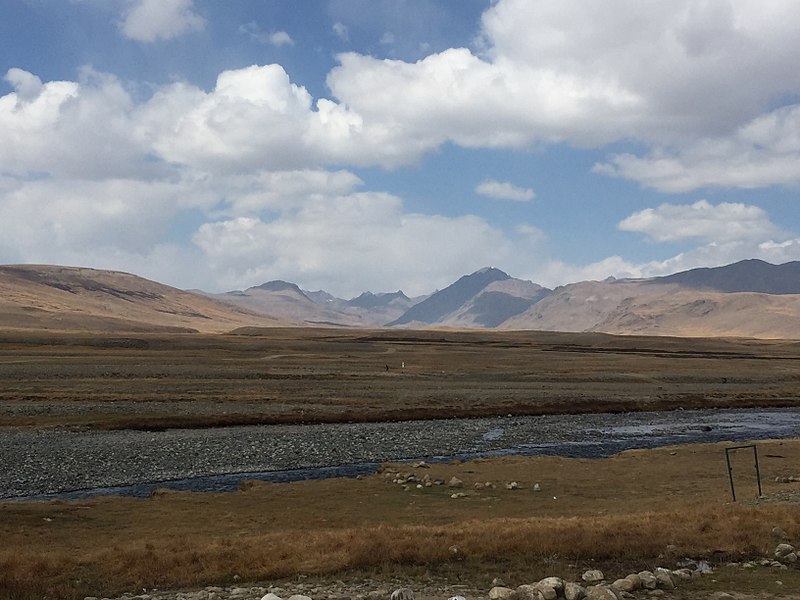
{"x": 623, "y": 512}
{"x": 334, "y": 375}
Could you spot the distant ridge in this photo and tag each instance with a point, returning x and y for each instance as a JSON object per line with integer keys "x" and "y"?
{"x": 750, "y": 275}
{"x": 444, "y": 302}
{"x": 751, "y": 298}
{"x": 81, "y": 299}
{"x": 370, "y": 300}
{"x": 279, "y": 286}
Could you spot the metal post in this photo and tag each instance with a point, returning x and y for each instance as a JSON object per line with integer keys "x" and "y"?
{"x": 758, "y": 472}
{"x": 730, "y": 467}
{"x": 730, "y": 472}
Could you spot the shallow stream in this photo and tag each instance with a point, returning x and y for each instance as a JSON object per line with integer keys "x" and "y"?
{"x": 70, "y": 464}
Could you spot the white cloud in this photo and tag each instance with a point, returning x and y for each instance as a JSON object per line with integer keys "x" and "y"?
{"x": 274, "y": 38}
{"x": 254, "y": 118}
{"x": 586, "y": 74}
{"x": 723, "y": 223}
{"x": 763, "y": 152}
{"x": 27, "y": 86}
{"x": 69, "y": 129}
{"x": 151, "y": 20}
{"x": 270, "y": 191}
{"x": 338, "y": 243}
{"x": 280, "y": 38}
{"x": 340, "y": 29}
{"x": 504, "y": 191}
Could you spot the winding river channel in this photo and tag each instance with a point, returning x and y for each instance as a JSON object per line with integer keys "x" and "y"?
{"x": 42, "y": 464}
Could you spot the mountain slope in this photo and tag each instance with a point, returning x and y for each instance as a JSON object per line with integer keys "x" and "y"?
{"x": 53, "y": 297}
{"x": 288, "y": 301}
{"x": 745, "y": 276}
{"x": 496, "y": 303}
{"x": 639, "y": 307}
{"x": 439, "y": 305}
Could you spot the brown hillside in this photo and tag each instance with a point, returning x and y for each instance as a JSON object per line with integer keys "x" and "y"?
{"x": 73, "y": 298}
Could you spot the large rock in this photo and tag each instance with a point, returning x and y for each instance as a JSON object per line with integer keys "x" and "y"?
{"x": 684, "y": 574}
{"x": 574, "y": 591}
{"x": 593, "y": 576}
{"x": 635, "y": 580}
{"x": 624, "y": 585}
{"x": 502, "y": 593}
{"x": 528, "y": 592}
{"x": 782, "y": 550}
{"x": 554, "y": 582}
{"x": 455, "y": 482}
{"x": 271, "y": 596}
{"x": 664, "y": 579}
{"x": 602, "y": 592}
{"x": 649, "y": 581}
{"x": 402, "y": 594}
{"x": 546, "y": 592}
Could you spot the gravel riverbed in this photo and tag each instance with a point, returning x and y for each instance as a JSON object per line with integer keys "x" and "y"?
{"x": 41, "y": 462}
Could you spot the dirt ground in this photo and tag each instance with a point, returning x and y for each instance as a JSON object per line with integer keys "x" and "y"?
{"x": 621, "y": 512}
{"x": 324, "y": 375}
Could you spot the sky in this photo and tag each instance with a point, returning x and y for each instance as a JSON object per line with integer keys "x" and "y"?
{"x": 353, "y": 145}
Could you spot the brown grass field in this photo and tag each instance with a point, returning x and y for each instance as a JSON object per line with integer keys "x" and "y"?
{"x": 322, "y": 375}
{"x": 634, "y": 510}
{"x": 620, "y": 513}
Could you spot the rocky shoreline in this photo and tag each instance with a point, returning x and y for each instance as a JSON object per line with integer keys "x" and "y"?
{"x": 40, "y": 462}
{"x": 593, "y": 584}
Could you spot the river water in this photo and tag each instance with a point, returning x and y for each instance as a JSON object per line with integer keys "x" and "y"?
{"x": 80, "y": 464}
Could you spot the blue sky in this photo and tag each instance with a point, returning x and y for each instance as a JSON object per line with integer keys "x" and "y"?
{"x": 353, "y": 145}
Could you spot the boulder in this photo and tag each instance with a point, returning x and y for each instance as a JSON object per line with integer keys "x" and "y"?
{"x": 528, "y": 592}
{"x": 635, "y": 580}
{"x": 782, "y": 550}
{"x": 512, "y": 485}
{"x": 271, "y": 596}
{"x": 624, "y": 585}
{"x": 649, "y": 581}
{"x": 602, "y": 592}
{"x": 593, "y": 576}
{"x": 554, "y": 582}
{"x": 455, "y": 482}
{"x": 684, "y": 574}
{"x": 664, "y": 579}
{"x": 402, "y": 594}
{"x": 546, "y": 592}
{"x": 573, "y": 591}
{"x": 500, "y": 592}
{"x": 722, "y": 596}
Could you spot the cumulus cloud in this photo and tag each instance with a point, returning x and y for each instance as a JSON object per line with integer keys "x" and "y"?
{"x": 724, "y": 222}
{"x": 498, "y": 190}
{"x": 338, "y": 243}
{"x": 586, "y": 74}
{"x": 151, "y": 20}
{"x": 763, "y": 152}
{"x": 68, "y": 128}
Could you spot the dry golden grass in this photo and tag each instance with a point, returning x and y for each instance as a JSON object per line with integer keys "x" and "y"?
{"x": 317, "y": 375}
{"x": 620, "y": 511}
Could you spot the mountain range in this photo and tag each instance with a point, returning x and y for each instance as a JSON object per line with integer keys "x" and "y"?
{"x": 750, "y": 298}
